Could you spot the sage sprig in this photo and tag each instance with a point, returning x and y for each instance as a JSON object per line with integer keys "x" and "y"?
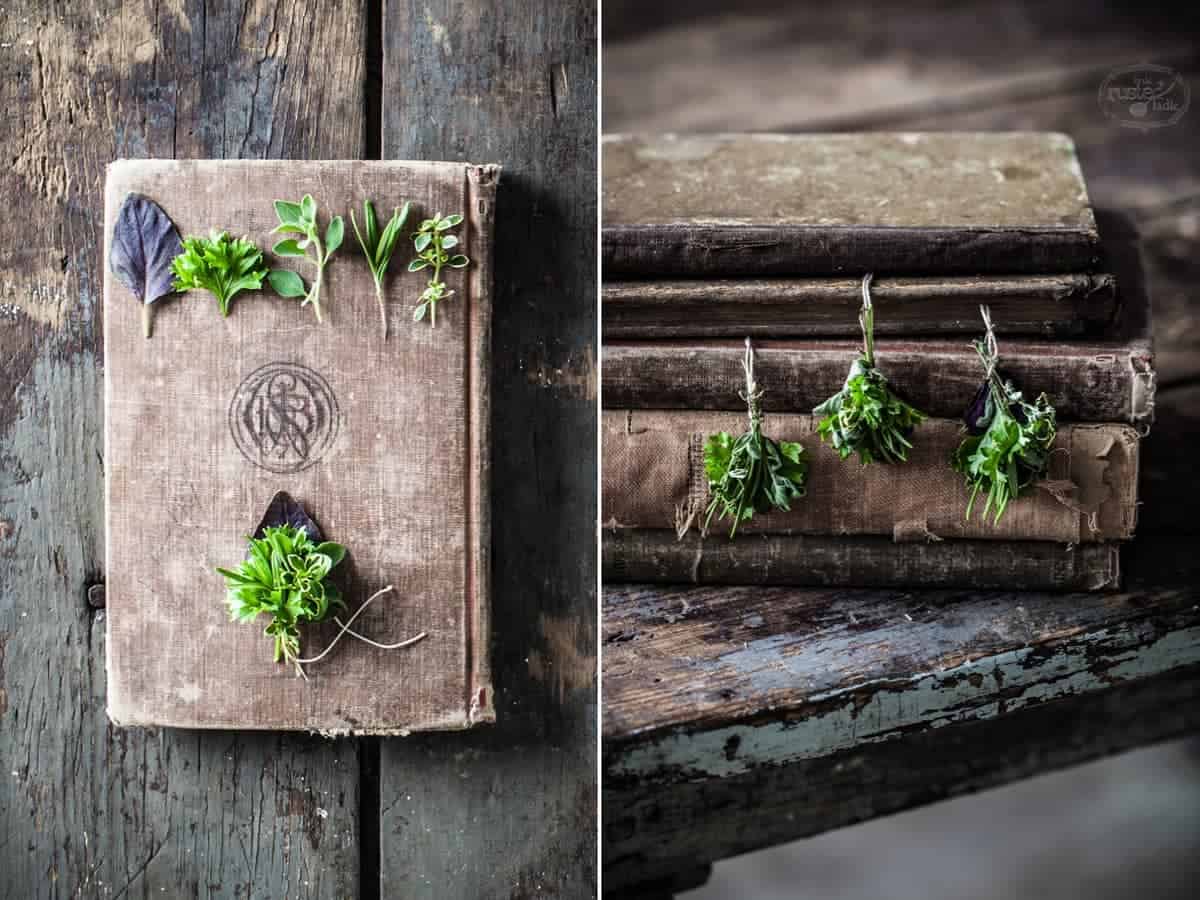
{"x": 1008, "y": 442}
{"x": 301, "y": 219}
{"x": 751, "y": 473}
{"x": 222, "y": 265}
{"x": 432, "y": 243}
{"x": 377, "y": 247}
{"x": 865, "y": 417}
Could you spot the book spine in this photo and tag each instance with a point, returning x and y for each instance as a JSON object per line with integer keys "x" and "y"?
{"x": 703, "y": 251}
{"x": 1052, "y": 305}
{"x": 658, "y": 556}
{"x": 654, "y": 478}
{"x": 480, "y": 215}
{"x": 1086, "y": 383}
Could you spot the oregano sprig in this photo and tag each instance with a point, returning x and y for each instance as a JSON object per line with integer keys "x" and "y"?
{"x": 222, "y": 265}
{"x": 301, "y": 219}
{"x": 432, "y": 243}
{"x": 865, "y": 417}
{"x": 377, "y": 247}
{"x": 751, "y": 473}
{"x": 1008, "y": 442}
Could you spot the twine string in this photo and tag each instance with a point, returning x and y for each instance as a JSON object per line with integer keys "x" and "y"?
{"x": 866, "y": 320}
{"x": 346, "y": 629}
{"x": 753, "y": 395}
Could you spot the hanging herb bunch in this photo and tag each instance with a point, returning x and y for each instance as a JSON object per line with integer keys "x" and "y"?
{"x": 432, "y": 241}
{"x": 865, "y": 416}
{"x": 285, "y": 576}
{"x": 1008, "y": 442}
{"x": 751, "y": 473}
{"x": 300, "y": 219}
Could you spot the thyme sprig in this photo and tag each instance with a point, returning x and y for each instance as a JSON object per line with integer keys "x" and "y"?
{"x": 377, "y": 247}
{"x": 865, "y": 417}
{"x": 432, "y": 243}
{"x": 751, "y": 473}
{"x": 301, "y": 219}
{"x": 1008, "y": 444}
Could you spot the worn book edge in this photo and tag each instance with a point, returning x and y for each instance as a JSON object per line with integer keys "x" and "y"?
{"x": 661, "y": 556}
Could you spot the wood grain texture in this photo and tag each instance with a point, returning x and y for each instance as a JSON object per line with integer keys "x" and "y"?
{"x": 345, "y": 407}
{"x": 1046, "y": 305}
{"x": 87, "y": 810}
{"x": 849, "y": 701}
{"x": 661, "y": 557}
{"x": 773, "y": 204}
{"x": 510, "y": 811}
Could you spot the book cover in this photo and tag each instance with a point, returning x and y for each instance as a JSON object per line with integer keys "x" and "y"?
{"x": 756, "y": 205}
{"x": 383, "y": 441}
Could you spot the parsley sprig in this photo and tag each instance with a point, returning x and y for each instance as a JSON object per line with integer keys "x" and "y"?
{"x": 284, "y": 577}
{"x": 432, "y": 243}
{"x": 301, "y": 219}
{"x": 865, "y": 417}
{"x": 222, "y": 265}
{"x": 751, "y": 473}
{"x": 377, "y": 247}
{"x": 1008, "y": 444}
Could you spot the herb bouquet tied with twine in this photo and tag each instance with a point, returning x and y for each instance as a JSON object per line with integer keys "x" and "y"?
{"x": 865, "y": 416}
{"x": 751, "y": 473}
{"x": 1008, "y": 442}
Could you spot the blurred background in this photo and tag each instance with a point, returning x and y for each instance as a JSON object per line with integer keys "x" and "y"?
{"x": 1123, "y": 827}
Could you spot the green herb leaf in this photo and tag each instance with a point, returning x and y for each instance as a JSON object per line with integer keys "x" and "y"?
{"x": 287, "y": 283}
{"x": 333, "y": 235}
{"x": 377, "y": 248}
{"x": 292, "y": 589}
{"x": 288, "y": 213}
{"x": 751, "y": 473}
{"x": 431, "y": 243}
{"x": 288, "y": 247}
{"x": 219, "y": 264}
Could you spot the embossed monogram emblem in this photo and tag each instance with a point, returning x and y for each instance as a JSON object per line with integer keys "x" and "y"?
{"x": 284, "y": 417}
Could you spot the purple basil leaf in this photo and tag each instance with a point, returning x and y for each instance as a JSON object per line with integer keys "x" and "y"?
{"x": 979, "y": 413}
{"x": 144, "y": 243}
{"x": 283, "y": 510}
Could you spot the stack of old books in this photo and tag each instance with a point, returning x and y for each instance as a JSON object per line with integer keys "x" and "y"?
{"x": 708, "y": 240}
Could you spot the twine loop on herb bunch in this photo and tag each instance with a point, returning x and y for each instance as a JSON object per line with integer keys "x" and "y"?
{"x": 751, "y": 473}
{"x": 1008, "y": 443}
{"x": 865, "y": 416}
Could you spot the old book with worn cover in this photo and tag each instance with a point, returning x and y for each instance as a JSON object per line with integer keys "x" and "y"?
{"x": 653, "y": 478}
{"x": 384, "y": 442}
{"x": 662, "y": 556}
{"x": 758, "y": 205}
{"x": 1066, "y": 305}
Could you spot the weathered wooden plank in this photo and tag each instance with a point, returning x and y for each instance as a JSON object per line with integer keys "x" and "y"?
{"x": 510, "y": 810}
{"x": 1047, "y": 305}
{"x": 85, "y": 809}
{"x": 848, "y": 702}
{"x": 656, "y": 832}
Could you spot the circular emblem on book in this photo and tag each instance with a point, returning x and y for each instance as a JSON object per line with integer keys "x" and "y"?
{"x": 284, "y": 417}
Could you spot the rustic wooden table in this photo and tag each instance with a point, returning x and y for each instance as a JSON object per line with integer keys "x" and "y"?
{"x": 88, "y": 810}
{"x": 740, "y": 718}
